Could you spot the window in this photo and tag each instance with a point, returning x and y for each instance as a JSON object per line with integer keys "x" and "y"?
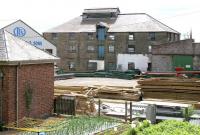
{"x": 131, "y": 36}
{"x": 101, "y": 51}
{"x": 49, "y": 51}
{"x": 176, "y": 37}
{"x": 111, "y": 37}
{"x": 111, "y": 66}
{"x": 92, "y": 66}
{"x": 169, "y": 36}
{"x": 131, "y": 48}
{"x": 71, "y": 65}
{"x": 111, "y": 48}
{"x": 90, "y": 48}
{"x": 149, "y": 48}
{"x": 72, "y": 36}
{"x": 1, "y": 35}
{"x": 54, "y": 35}
{"x": 90, "y": 36}
{"x": 131, "y": 65}
{"x": 152, "y": 36}
{"x": 101, "y": 33}
{"x": 72, "y": 48}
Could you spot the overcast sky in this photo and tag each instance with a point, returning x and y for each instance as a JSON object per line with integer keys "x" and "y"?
{"x": 181, "y": 15}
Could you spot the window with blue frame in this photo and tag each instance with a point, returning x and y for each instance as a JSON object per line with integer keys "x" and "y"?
{"x": 101, "y": 33}
{"x": 101, "y": 51}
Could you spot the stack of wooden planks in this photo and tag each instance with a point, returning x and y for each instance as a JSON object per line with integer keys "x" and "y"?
{"x": 116, "y": 92}
{"x": 109, "y": 92}
{"x": 170, "y": 88}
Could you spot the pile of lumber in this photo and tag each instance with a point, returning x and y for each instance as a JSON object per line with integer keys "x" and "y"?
{"x": 170, "y": 88}
{"x": 116, "y": 92}
{"x": 82, "y": 104}
{"x": 109, "y": 92}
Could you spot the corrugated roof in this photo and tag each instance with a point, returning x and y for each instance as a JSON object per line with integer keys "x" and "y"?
{"x": 18, "y": 50}
{"x": 138, "y": 22}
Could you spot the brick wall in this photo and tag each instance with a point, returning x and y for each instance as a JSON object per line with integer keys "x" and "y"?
{"x": 41, "y": 80}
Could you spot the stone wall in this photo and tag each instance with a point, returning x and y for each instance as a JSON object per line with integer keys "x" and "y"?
{"x": 81, "y": 56}
{"x": 161, "y": 63}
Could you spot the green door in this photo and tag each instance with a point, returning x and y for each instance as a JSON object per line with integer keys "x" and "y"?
{"x": 185, "y": 62}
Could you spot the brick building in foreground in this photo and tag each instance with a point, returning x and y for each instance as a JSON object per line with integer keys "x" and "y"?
{"x": 105, "y": 39}
{"x": 26, "y": 80}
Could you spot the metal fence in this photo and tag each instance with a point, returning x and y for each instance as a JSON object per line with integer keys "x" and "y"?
{"x": 65, "y": 105}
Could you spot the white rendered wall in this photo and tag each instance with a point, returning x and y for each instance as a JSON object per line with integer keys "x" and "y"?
{"x": 100, "y": 64}
{"x": 141, "y": 61}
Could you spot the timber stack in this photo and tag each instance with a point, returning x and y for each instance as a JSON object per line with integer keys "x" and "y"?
{"x": 108, "y": 92}
{"x": 170, "y": 88}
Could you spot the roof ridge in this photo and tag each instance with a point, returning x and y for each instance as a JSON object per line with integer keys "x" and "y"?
{"x": 101, "y": 8}
{"x": 130, "y": 13}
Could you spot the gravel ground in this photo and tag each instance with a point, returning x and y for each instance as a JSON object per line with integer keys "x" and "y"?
{"x": 83, "y": 81}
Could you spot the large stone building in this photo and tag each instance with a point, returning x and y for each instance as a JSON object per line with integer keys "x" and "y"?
{"x": 182, "y": 54}
{"x": 105, "y": 39}
{"x": 26, "y": 80}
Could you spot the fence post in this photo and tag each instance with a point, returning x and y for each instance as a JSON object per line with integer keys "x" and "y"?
{"x": 99, "y": 109}
{"x": 74, "y": 106}
{"x": 131, "y": 111}
{"x": 125, "y": 111}
{"x": 151, "y": 113}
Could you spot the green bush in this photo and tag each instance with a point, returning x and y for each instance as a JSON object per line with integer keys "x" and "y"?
{"x": 168, "y": 127}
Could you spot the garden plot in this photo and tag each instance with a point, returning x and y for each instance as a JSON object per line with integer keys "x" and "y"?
{"x": 82, "y": 125}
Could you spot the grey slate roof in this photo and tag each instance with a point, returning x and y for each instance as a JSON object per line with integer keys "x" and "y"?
{"x": 14, "y": 50}
{"x": 138, "y": 22}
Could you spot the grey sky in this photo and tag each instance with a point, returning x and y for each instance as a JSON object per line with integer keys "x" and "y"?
{"x": 182, "y": 15}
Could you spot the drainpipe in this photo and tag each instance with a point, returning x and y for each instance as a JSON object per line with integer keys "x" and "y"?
{"x": 1, "y": 92}
{"x": 17, "y": 94}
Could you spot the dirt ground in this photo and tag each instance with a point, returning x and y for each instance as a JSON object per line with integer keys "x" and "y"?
{"x": 83, "y": 81}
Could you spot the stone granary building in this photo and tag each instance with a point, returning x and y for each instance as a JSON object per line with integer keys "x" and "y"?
{"x": 105, "y": 39}
{"x": 26, "y": 80}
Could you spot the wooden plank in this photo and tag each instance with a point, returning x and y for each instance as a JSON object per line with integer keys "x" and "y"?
{"x": 175, "y": 96}
{"x": 171, "y": 87}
